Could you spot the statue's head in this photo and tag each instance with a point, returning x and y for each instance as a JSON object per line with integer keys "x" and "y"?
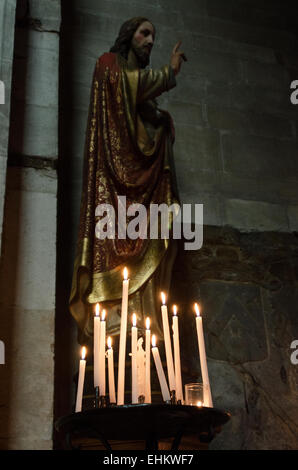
{"x": 138, "y": 34}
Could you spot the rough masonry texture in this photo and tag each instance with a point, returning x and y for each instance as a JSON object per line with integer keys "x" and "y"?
{"x": 28, "y": 258}
{"x": 235, "y": 152}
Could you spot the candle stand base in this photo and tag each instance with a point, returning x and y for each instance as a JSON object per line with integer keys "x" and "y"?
{"x": 101, "y": 401}
{"x": 154, "y": 427}
{"x": 173, "y": 397}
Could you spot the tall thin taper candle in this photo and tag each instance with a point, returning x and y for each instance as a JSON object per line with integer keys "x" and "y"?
{"x": 102, "y": 355}
{"x": 112, "y": 394}
{"x": 179, "y": 393}
{"x": 134, "y": 372}
{"x": 96, "y": 341}
{"x": 160, "y": 372}
{"x": 81, "y": 380}
{"x": 122, "y": 341}
{"x": 203, "y": 359}
{"x": 168, "y": 346}
{"x": 147, "y": 366}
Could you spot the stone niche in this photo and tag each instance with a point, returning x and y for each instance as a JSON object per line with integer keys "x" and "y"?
{"x": 246, "y": 284}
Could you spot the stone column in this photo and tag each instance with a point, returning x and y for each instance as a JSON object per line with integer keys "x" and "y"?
{"x": 28, "y": 270}
{"x": 7, "y": 21}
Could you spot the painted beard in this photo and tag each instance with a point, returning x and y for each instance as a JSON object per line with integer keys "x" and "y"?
{"x": 142, "y": 54}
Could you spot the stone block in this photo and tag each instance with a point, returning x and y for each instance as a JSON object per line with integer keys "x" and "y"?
{"x": 265, "y": 75}
{"x": 244, "y": 13}
{"x": 125, "y": 10}
{"x": 212, "y": 206}
{"x": 263, "y": 99}
{"x": 292, "y": 212}
{"x": 7, "y": 16}
{"x": 249, "y": 123}
{"x": 189, "y": 89}
{"x": 91, "y": 46}
{"x": 242, "y": 33}
{"x": 47, "y": 12}
{"x": 214, "y": 66}
{"x": 36, "y": 71}
{"x": 227, "y": 394}
{"x": 29, "y": 403}
{"x": 274, "y": 189}
{"x": 190, "y": 114}
{"x": 234, "y": 48}
{"x": 34, "y": 130}
{"x": 197, "y": 147}
{"x": 29, "y": 243}
{"x": 259, "y": 156}
{"x": 233, "y": 321}
{"x": 255, "y": 215}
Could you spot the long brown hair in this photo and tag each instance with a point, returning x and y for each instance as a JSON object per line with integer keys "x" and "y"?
{"x": 127, "y": 30}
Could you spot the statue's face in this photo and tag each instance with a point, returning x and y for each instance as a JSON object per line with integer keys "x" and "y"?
{"x": 142, "y": 42}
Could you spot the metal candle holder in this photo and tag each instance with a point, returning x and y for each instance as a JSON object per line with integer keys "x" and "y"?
{"x": 101, "y": 401}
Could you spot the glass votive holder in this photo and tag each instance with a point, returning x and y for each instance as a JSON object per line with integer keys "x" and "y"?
{"x": 194, "y": 394}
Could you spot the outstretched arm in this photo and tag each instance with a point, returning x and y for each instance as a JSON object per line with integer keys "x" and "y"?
{"x": 153, "y": 83}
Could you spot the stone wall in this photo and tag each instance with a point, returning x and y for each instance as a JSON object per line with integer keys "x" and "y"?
{"x": 28, "y": 264}
{"x": 246, "y": 285}
{"x": 7, "y": 20}
{"x": 235, "y": 152}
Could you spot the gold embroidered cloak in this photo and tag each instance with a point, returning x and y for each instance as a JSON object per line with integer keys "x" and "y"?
{"x": 128, "y": 152}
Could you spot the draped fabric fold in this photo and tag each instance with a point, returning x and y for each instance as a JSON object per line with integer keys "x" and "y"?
{"x": 128, "y": 159}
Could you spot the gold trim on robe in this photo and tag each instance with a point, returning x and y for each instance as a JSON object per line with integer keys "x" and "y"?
{"x": 122, "y": 158}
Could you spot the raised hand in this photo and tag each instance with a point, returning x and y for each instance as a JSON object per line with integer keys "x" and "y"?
{"x": 177, "y": 58}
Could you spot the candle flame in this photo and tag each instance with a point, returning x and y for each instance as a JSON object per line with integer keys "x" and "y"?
{"x": 175, "y": 310}
{"x": 83, "y": 352}
{"x": 163, "y": 298}
{"x": 125, "y": 274}
{"x": 97, "y": 308}
{"x": 109, "y": 342}
{"x": 148, "y": 323}
{"x": 103, "y": 315}
{"x": 197, "y": 309}
{"x": 134, "y": 320}
{"x": 199, "y": 403}
{"x": 153, "y": 341}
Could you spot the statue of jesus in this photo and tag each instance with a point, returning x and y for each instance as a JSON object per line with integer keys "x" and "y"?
{"x": 128, "y": 157}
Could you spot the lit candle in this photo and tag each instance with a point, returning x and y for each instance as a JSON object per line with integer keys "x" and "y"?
{"x": 203, "y": 359}
{"x": 179, "y": 393}
{"x": 167, "y": 340}
{"x": 147, "y": 366}
{"x": 81, "y": 380}
{"x": 111, "y": 371}
{"x": 161, "y": 375}
{"x": 102, "y": 355}
{"x": 122, "y": 341}
{"x": 96, "y": 341}
{"x": 134, "y": 376}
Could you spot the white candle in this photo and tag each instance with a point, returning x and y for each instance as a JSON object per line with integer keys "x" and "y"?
{"x": 112, "y": 394}
{"x": 134, "y": 376}
{"x": 161, "y": 376}
{"x": 168, "y": 346}
{"x": 147, "y": 366}
{"x": 179, "y": 393}
{"x": 96, "y": 341}
{"x": 203, "y": 360}
{"x": 102, "y": 355}
{"x": 81, "y": 380}
{"x": 141, "y": 368}
{"x": 122, "y": 341}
